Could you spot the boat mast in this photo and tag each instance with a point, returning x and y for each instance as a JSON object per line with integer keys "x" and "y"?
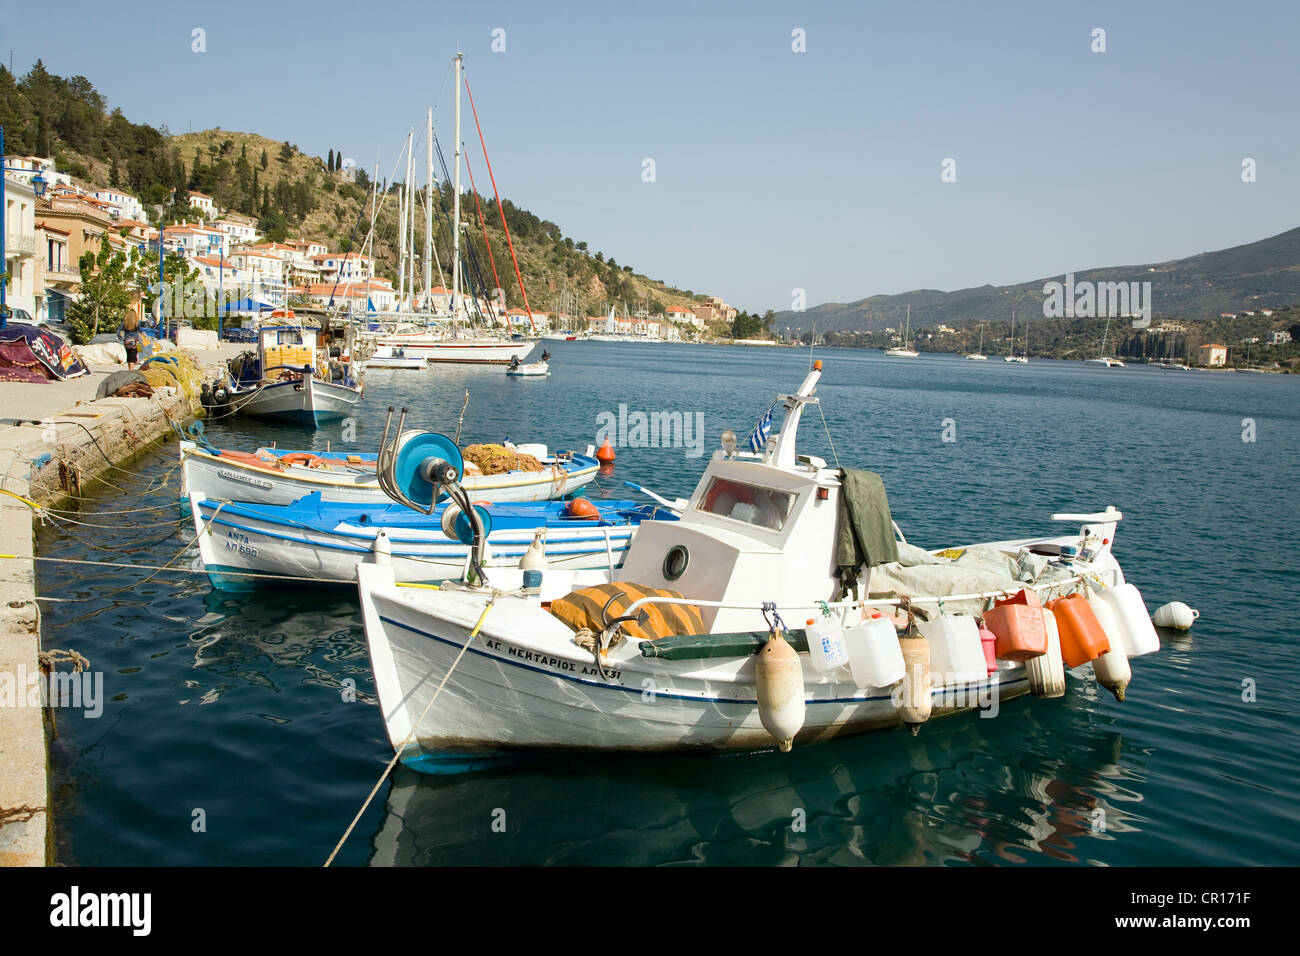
{"x": 455, "y": 215}
{"x": 401, "y": 231}
{"x": 428, "y": 213}
{"x": 409, "y": 225}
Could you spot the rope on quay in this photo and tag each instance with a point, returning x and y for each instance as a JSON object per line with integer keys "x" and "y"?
{"x": 159, "y": 568}
{"x": 397, "y": 751}
{"x": 18, "y": 814}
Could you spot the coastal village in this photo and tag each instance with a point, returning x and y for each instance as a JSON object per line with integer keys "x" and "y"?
{"x": 53, "y": 220}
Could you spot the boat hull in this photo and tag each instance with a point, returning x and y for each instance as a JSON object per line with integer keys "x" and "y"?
{"x": 237, "y": 543}
{"x": 511, "y": 693}
{"x": 222, "y": 478}
{"x": 461, "y": 352}
{"x": 309, "y": 402}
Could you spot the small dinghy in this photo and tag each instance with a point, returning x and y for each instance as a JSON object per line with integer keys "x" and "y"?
{"x": 543, "y": 367}
{"x": 279, "y": 476}
{"x": 394, "y": 356}
{"x": 780, "y": 609}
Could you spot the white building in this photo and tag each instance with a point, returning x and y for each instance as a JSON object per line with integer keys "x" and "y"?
{"x": 344, "y": 266}
{"x": 195, "y": 240}
{"x": 122, "y": 205}
{"x": 239, "y": 229}
{"x": 21, "y": 290}
{"x": 204, "y": 204}
{"x": 357, "y": 297}
{"x": 675, "y": 313}
{"x": 1280, "y": 337}
{"x": 23, "y": 169}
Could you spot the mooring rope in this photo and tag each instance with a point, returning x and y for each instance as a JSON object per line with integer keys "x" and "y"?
{"x": 397, "y": 751}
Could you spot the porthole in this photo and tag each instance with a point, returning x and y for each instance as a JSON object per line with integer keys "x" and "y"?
{"x": 676, "y": 561}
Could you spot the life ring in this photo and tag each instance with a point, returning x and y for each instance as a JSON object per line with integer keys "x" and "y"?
{"x": 301, "y": 458}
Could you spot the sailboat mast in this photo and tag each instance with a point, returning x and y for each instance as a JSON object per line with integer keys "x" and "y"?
{"x": 428, "y": 212}
{"x": 409, "y": 225}
{"x": 401, "y": 235}
{"x": 455, "y": 216}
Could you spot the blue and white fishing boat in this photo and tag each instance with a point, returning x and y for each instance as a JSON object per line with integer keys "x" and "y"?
{"x": 290, "y": 378}
{"x": 322, "y": 542}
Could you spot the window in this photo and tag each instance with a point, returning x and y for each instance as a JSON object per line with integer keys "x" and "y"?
{"x": 763, "y": 507}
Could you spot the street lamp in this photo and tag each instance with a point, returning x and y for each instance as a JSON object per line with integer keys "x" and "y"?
{"x": 38, "y": 187}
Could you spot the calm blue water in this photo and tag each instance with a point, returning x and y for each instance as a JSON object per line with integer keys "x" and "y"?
{"x": 232, "y": 704}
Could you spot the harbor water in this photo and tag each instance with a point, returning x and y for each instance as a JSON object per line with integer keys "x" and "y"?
{"x": 242, "y": 728}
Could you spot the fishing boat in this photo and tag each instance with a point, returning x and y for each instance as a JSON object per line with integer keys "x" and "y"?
{"x": 242, "y": 546}
{"x": 1013, "y": 357}
{"x": 280, "y": 476}
{"x": 394, "y": 356}
{"x": 978, "y": 355}
{"x": 902, "y": 351}
{"x": 698, "y": 640}
{"x": 290, "y": 377}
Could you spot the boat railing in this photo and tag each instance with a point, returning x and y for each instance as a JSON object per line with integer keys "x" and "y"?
{"x": 848, "y": 605}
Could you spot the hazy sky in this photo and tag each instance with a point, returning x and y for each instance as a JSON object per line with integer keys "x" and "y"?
{"x": 774, "y": 169}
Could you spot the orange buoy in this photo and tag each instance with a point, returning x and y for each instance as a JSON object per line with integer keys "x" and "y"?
{"x": 581, "y": 508}
{"x": 605, "y": 454}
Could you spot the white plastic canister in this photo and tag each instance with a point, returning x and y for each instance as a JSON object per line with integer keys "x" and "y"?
{"x": 1111, "y": 668}
{"x": 875, "y": 657}
{"x": 956, "y": 654}
{"x": 1137, "y": 632}
{"x": 826, "y": 644}
{"x": 1047, "y": 671}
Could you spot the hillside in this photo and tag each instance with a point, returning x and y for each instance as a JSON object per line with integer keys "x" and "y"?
{"x": 294, "y": 194}
{"x": 1263, "y": 274}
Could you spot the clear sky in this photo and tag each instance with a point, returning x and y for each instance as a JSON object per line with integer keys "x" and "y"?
{"x": 774, "y": 169}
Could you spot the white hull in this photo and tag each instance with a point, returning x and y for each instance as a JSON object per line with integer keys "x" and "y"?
{"x": 531, "y": 687}
{"x": 1016, "y": 359}
{"x": 223, "y": 479}
{"x": 460, "y": 351}
{"x": 238, "y": 545}
{"x": 1105, "y": 362}
{"x": 534, "y": 370}
{"x": 901, "y": 353}
{"x": 977, "y": 358}
{"x": 309, "y": 402}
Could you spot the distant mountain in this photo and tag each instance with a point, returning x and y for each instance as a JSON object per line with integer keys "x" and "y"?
{"x": 1263, "y": 274}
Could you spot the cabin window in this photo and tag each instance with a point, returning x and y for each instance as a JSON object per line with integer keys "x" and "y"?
{"x": 289, "y": 337}
{"x": 763, "y": 507}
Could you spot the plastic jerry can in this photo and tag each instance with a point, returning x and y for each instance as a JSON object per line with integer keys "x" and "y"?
{"x": 989, "y": 644}
{"x": 1136, "y": 631}
{"x": 826, "y": 644}
{"x": 875, "y": 657}
{"x": 1047, "y": 671}
{"x": 956, "y": 653}
{"x": 1019, "y": 629}
{"x": 1082, "y": 637}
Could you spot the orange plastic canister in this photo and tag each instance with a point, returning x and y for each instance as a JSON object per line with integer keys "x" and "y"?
{"x": 1017, "y": 623}
{"x": 1082, "y": 637}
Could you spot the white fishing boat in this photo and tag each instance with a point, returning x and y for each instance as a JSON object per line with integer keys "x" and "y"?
{"x": 394, "y": 356}
{"x": 502, "y": 664}
{"x": 978, "y": 355}
{"x": 277, "y": 476}
{"x": 902, "y": 351}
{"x": 290, "y": 377}
{"x": 532, "y": 369}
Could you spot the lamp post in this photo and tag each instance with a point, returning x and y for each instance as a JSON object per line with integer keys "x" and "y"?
{"x": 38, "y": 187}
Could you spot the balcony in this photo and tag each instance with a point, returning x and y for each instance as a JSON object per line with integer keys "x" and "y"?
{"x": 20, "y": 245}
{"x": 63, "y": 275}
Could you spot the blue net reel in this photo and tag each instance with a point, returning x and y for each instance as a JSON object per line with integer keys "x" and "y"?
{"x": 410, "y": 470}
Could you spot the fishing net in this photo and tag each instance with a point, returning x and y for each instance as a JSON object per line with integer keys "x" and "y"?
{"x": 498, "y": 459}
{"x": 177, "y": 369}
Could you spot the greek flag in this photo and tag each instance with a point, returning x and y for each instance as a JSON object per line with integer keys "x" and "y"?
{"x": 758, "y": 438}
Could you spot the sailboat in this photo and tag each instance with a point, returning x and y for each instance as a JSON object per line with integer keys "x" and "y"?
{"x": 452, "y": 344}
{"x": 1013, "y": 357}
{"x": 979, "y": 356}
{"x": 1102, "y": 358}
{"x": 902, "y": 351}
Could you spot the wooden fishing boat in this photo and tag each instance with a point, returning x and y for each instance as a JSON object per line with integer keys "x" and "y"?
{"x": 497, "y": 664}
{"x": 289, "y": 378}
{"x": 280, "y": 476}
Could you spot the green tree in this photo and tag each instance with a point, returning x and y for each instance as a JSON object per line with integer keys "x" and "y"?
{"x": 263, "y": 161}
{"x": 106, "y": 280}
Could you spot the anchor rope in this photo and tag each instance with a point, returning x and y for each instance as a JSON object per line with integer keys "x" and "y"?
{"x": 397, "y": 751}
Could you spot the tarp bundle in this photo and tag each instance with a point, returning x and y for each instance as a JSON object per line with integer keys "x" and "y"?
{"x": 48, "y": 354}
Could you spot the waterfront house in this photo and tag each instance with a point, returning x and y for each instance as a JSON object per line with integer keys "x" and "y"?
{"x": 204, "y": 204}
{"x": 21, "y": 290}
{"x": 1212, "y": 356}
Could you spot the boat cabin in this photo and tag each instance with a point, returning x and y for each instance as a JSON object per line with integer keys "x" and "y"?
{"x": 757, "y": 528}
